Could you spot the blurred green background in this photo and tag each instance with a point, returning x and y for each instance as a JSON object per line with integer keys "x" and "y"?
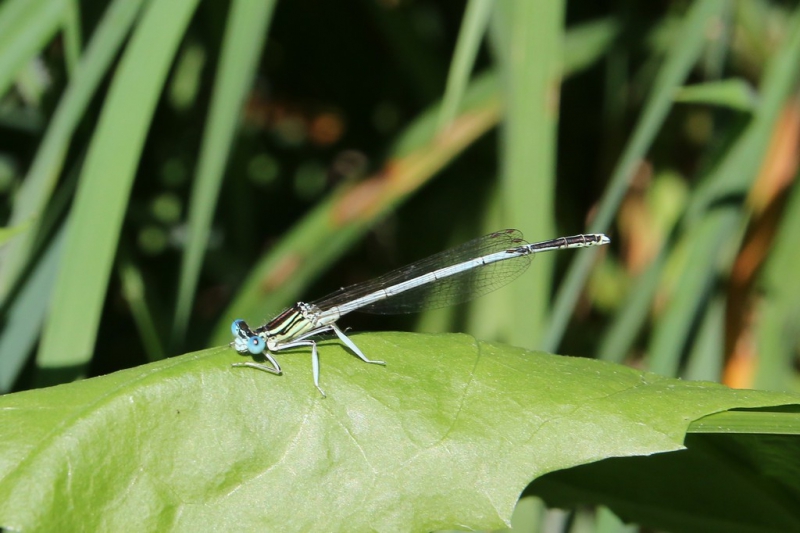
{"x": 166, "y": 167}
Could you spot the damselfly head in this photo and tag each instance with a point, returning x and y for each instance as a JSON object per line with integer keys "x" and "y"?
{"x": 236, "y": 326}
{"x": 243, "y": 338}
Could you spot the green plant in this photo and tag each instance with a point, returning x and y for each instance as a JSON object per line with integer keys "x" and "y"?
{"x": 698, "y": 104}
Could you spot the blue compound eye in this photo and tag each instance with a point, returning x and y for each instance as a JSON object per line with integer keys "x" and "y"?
{"x": 255, "y": 344}
{"x": 236, "y": 326}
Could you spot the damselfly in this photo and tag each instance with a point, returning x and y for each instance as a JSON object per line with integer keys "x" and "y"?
{"x": 450, "y": 277}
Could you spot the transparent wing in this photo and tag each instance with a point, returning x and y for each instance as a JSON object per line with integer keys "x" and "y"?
{"x": 458, "y": 288}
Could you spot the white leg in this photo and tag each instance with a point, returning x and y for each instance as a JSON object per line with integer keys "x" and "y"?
{"x": 339, "y": 333}
{"x": 350, "y": 344}
{"x": 275, "y": 369}
{"x": 315, "y": 368}
{"x": 314, "y": 358}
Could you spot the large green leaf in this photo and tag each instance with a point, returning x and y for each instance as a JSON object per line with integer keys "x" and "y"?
{"x": 447, "y": 435}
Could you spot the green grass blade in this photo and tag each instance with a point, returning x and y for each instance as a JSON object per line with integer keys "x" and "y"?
{"x": 40, "y": 181}
{"x": 708, "y": 256}
{"x": 682, "y": 56}
{"x": 718, "y": 50}
{"x": 735, "y": 94}
{"x": 25, "y": 317}
{"x": 530, "y": 57}
{"x": 72, "y": 34}
{"x": 778, "y": 325}
{"x": 621, "y": 333}
{"x": 108, "y": 173}
{"x": 528, "y": 515}
{"x": 134, "y": 290}
{"x": 245, "y": 34}
{"x": 12, "y": 13}
{"x": 26, "y": 26}
{"x": 748, "y": 422}
{"x": 586, "y": 43}
{"x": 708, "y": 352}
{"x": 473, "y": 27}
{"x": 8, "y": 233}
{"x": 609, "y": 522}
